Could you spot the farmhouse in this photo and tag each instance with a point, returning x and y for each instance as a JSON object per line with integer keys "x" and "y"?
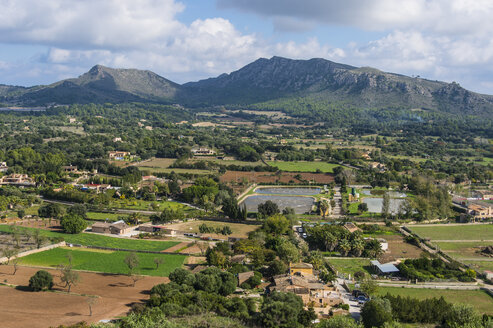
{"x": 17, "y": 180}
{"x": 311, "y": 290}
{"x": 69, "y": 169}
{"x": 157, "y": 228}
{"x": 300, "y": 268}
{"x": 3, "y": 167}
{"x": 480, "y": 211}
{"x": 386, "y": 269}
{"x": 203, "y": 152}
{"x": 118, "y": 155}
{"x": 116, "y": 228}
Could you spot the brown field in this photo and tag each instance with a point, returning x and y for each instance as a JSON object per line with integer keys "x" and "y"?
{"x": 23, "y": 308}
{"x": 238, "y": 230}
{"x": 272, "y": 177}
{"x": 157, "y": 162}
{"x": 398, "y": 249}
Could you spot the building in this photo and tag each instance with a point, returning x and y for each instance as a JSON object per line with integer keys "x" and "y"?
{"x": 479, "y": 211}
{"x": 115, "y": 228}
{"x": 485, "y": 194}
{"x": 158, "y": 228}
{"x": 117, "y": 139}
{"x": 489, "y": 275}
{"x": 69, "y": 169}
{"x": 312, "y": 291}
{"x": 22, "y": 180}
{"x": 3, "y": 167}
{"x": 387, "y": 269}
{"x": 203, "y": 152}
{"x": 99, "y": 188}
{"x": 351, "y": 227}
{"x": 300, "y": 268}
{"x": 101, "y": 227}
{"x": 244, "y": 276}
{"x": 118, "y": 155}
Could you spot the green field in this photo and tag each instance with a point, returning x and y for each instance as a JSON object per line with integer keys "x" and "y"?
{"x": 477, "y": 298}
{"x": 137, "y": 204}
{"x": 455, "y": 232}
{"x": 480, "y": 265}
{"x": 351, "y": 265}
{"x": 153, "y": 170}
{"x": 103, "y": 216}
{"x": 460, "y": 250}
{"x": 88, "y": 239}
{"x": 301, "y": 166}
{"x": 104, "y": 261}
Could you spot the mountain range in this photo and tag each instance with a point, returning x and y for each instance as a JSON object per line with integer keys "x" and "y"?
{"x": 260, "y": 81}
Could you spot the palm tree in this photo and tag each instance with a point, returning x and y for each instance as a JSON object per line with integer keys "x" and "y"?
{"x": 323, "y": 207}
{"x": 330, "y": 241}
{"x": 357, "y": 247}
{"x": 344, "y": 247}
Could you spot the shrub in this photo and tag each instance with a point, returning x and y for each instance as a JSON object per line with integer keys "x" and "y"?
{"x": 41, "y": 280}
{"x": 73, "y": 223}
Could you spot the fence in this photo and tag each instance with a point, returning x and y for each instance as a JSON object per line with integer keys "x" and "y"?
{"x": 34, "y": 251}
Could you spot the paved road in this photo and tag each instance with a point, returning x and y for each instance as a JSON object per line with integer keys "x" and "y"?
{"x": 336, "y": 211}
{"x": 354, "y": 308}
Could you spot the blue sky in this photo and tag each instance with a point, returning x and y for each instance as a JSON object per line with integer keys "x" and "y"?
{"x": 43, "y": 41}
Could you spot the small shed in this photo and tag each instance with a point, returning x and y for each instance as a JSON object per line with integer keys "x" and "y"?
{"x": 101, "y": 227}
{"x": 386, "y": 269}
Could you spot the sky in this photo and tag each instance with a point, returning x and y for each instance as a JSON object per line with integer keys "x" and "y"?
{"x": 43, "y": 41}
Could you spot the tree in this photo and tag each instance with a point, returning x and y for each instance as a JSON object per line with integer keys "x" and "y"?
{"x": 277, "y": 224}
{"x": 386, "y": 205}
{"x": 362, "y": 207}
{"x": 267, "y": 209}
{"x": 463, "y": 315}
{"x": 344, "y": 247}
{"x": 323, "y": 207}
{"x": 15, "y": 263}
{"x": 39, "y": 239}
{"x": 369, "y": 286}
{"x": 78, "y": 209}
{"x": 339, "y": 321}
{"x": 158, "y": 261}
{"x": 91, "y": 301}
{"x": 9, "y": 253}
{"x": 69, "y": 277}
{"x": 73, "y": 224}
{"x": 376, "y": 313}
{"x": 51, "y": 210}
{"x": 41, "y": 280}
{"x": 132, "y": 262}
{"x": 21, "y": 213}
{"x": 357, "y": 247}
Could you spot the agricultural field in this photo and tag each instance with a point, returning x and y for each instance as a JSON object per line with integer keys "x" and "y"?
{"x": 398, "y": 248}
{"x": 104, "y": 261}
{"x": 463, "y": 250}
{"x": 302, "y": 166}
{"x": 114, "y": 294}
{"x": 477, "y": 298}
{"x": 89, "y": 239}
{"x": 162, "y": 163}
{"x": 225, "y": 161}
{"x": 97, "y": 216}
{"x": 461, "y": 242}
{"x": 238, "y": 230}
{"x": 273, "y": 177}
{"x": 138, "y": 204}
{"x": 455, "y": 232}
{"x": 350, "y": 266}
{"x": 153, "y": 170}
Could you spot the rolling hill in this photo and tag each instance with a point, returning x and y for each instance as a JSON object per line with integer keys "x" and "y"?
{"x": 264, "y": 80}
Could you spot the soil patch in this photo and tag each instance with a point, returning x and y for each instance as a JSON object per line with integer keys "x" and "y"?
{"x": 20, "y": 308}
